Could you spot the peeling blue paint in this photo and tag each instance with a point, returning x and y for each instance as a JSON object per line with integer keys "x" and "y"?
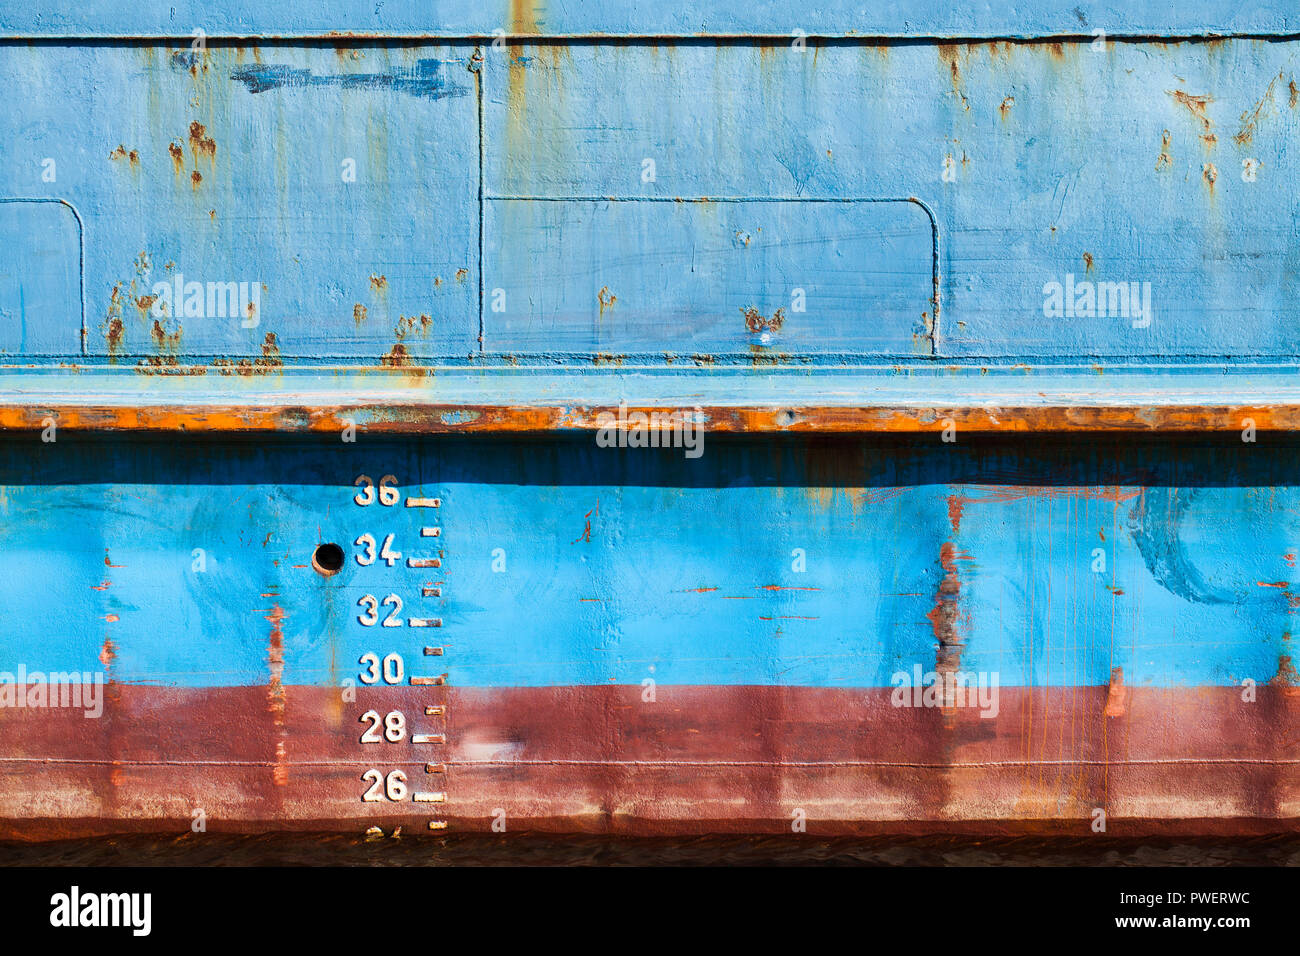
{"x": 428, "y": 78}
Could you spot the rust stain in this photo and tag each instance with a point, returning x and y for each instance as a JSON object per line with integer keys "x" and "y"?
{"x": 1286, "y": 676}
{"x": 945, "y": 616}
{"x": 586, "y": 531}
{"x": 1294, "y": 95}
{"x": 1005, "y": 108}
{"x": 201, "y": 144}
{"x": 196, "y": 179}
{"x": 275, "y": 696}
{"x": 1117, "y": 694}
{"x": 1164, "y": 160}
{"x": 1210, "y": 174}
{"x": 756, "y": 322}
{"x": 1196, "y": 105}
{"x": 131, "y": 155}
{"x": 956, "y": 507}
{"x": 523, "y": 16}
{"x": 108, "y": 654}
{"x": 178, "y": 157}
{"x": 114, "y": 335}
{"x": 378, "y": 283}
{"x": 396, "y": 357}
{"x": 462, "y": 275}
{"x": 408, "y": 324}
{"x": 166, "y": 365}
{"x": 144, "y": 303}
{"x": 270, "y": 353}
{"x": 949, "y": 55}
{"x": 1087, "y": 261}
{"x": 358, "y": 313}
{"x": 606, "y": 299}
{"x": 1250, "y": 118}
{"x": 164, "y": 340}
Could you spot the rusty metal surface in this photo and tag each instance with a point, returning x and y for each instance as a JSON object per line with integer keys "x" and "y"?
{"x": 587, "y": 640}
{"x": 699, "y": 762}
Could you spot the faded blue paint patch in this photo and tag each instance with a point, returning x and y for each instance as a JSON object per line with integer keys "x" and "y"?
{"x": 460, "y": 417}
{"x": 428, "y": 78}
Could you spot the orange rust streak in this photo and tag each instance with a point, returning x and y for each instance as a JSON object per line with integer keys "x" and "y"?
{"x": 431, "y": 418}
{"x": 275, "y": 690}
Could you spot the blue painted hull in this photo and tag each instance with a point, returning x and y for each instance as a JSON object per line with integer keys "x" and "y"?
{"x": 325, "y": 333}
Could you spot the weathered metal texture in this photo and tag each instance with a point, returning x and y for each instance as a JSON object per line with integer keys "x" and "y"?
{"x": 718, "y": 759}
{"x": 612, "y": 18}
{"x": 855, "y": 171}
{"x": 772, "y": 685}
{"x": 792, "y": 245}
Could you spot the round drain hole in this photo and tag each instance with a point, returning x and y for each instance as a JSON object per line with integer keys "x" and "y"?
{"x": 327, "y": 559}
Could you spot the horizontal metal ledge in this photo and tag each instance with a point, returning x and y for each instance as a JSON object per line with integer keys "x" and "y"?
{"x": 442, "y": 400}
{"x": 445, "y": 419}
{"x": 869, "y": 36}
